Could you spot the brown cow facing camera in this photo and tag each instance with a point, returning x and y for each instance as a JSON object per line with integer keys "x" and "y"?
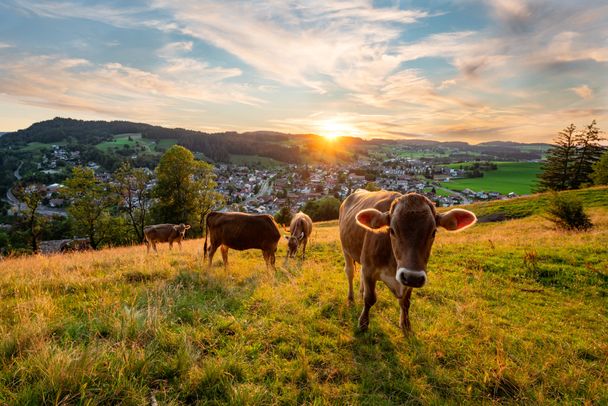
{"x": 164, "y": 233}
{"x": 391, "y": 235}
{"x": 242, "y": 231}
{"x": 300, "y": 229}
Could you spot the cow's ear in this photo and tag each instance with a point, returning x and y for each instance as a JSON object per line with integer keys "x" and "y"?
{"x": 176, "y": 228}
{"x": 373, "y": 220}
{"x": 187, "y": 226}
{"x": 456, "y": 219}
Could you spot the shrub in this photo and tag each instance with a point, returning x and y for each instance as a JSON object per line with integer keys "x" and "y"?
{"x": 323, "y": 209}
{"x": 567, "y": 212}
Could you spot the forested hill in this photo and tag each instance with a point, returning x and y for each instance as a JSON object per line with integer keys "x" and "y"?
{"x": 289, "y": 148}
{"x": 217, "y": 147}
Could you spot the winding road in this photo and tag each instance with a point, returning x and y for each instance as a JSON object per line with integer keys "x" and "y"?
{"x": 20, "y": 206}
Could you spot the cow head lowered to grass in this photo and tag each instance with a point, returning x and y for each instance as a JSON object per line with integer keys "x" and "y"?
{"x": 391, "y": 236}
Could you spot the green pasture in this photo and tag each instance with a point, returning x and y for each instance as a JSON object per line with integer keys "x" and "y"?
{"x": 518, "y": 177}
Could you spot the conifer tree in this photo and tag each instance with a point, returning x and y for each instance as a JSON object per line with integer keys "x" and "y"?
{"x": 570, "y": 162}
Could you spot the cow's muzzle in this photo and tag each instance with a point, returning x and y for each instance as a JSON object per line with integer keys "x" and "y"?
{"x": 411, "y": 278}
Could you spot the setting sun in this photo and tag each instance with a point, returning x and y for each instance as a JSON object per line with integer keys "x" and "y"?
{"x": 332, "y": 129}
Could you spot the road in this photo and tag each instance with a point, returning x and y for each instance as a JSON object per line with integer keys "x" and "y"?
{"x": 265, "y": 189}
{"x": 465, "y": 200}
{"x": 43, "y": 210}
{"x": 16, "y": 173}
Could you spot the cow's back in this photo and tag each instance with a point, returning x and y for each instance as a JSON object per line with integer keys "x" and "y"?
{"x": 159, "y": 232}
{"x": 300, "y": 223}
{"x": 352, "y": 236}
{"x": 241, "y": 231}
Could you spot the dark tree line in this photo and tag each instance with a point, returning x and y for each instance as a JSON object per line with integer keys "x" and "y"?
{"x": 570, "y": 162}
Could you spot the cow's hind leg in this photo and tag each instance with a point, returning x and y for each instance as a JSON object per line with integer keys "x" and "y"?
{"x": 224, "y": 251}
{"x": 273, "y": 259}
{"x": 147, "y": 246}
{"x": 349, "y": 270}
{"x": 154, "y": 246}
{"x": 404, "y": 318}
{"x": 369, "y": 298}
{"x": 212, "y": 249}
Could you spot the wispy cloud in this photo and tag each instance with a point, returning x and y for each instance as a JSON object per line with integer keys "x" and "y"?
{"x": 305, "y": 62}
{"x": 583, "y": 91}
{"x": 116, "y": 89}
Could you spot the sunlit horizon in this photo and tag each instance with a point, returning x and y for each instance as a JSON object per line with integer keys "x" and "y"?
{"x": 474, "y": 71}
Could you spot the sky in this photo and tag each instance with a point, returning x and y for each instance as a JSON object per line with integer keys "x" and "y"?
{"x": 468, "y": 70}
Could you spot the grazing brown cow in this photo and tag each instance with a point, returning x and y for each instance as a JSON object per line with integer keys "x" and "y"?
{"x": 77, "y": 244}
{"x": 165, "y": 233}
{"x": 242, "y": 231}
{"x": 391, "y": 236}
{"x": 300, "y": 228}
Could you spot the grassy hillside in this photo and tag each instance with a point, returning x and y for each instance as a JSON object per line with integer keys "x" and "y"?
{"x": 536, "y": 204}
{"x": 514, "y": 312}
{"x": 518, "y": 177}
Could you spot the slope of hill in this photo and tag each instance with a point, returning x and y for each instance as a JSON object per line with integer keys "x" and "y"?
{"x": 290, "y": 148}
{"x": 513, "y": 312}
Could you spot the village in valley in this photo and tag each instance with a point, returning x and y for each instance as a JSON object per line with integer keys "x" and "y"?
{"x": 268, "y": 188}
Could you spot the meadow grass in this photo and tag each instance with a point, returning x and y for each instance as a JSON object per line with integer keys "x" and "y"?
{"x": 517, "y": 177}
{"x": 536, "y": 204}
{"x": 514, "y": 312}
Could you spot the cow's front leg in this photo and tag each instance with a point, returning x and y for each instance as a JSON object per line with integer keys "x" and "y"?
{"x": 179, "y": 242}
{"x": 349, "y": 270}
{"x": 304, "y": 248}
{"x": 404, "y": 318}
{"x": 154, "y": 247}
{"x": 170, "y": 245}
{"x": 369, "y": 299}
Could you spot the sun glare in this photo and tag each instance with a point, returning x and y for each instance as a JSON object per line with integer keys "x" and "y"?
{"x": 332, "y": 129}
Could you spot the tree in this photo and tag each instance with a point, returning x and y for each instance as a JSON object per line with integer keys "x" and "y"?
{"x": 283, "y": 216}
{"x": 90, "y": 200}
{"x": 371, "y": 186}
{"x": 326, "y": 208}
{"x": 185, "y": 188}
{"x": 570, "y": 162}
{"x": 207, "y": 198}
{"x": 600, "y": 170}
{"x": 132, "y": 188}
{"x": 32, "y": 196}
{"x": 176, "y": 187}
{"x": 589, "y": 152}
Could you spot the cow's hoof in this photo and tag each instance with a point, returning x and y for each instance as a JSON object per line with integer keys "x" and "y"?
{"x": 363, "y": 324}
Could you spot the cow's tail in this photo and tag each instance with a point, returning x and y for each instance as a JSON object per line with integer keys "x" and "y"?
{"x": 206, "y": 234}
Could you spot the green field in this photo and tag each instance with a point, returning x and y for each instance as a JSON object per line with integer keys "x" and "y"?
{"x": 513, "y": 313}
{"x": 518, "y": 177}
{"x": 133, "y": 141}
{"x": 120, "y": 140}
{"x": 249, "y": 160}
{"x": 40, "y": 146}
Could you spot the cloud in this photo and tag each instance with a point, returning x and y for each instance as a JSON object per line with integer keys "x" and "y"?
{"x": 350, "y": 59}
{"x": 583, "y": 91}
{"x": 119, "y": 90}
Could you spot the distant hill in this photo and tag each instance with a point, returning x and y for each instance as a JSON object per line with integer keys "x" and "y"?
{"x": 283, "y": 147}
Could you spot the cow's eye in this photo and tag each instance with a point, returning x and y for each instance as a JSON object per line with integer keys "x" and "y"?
{"x": 391, "y": 231}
